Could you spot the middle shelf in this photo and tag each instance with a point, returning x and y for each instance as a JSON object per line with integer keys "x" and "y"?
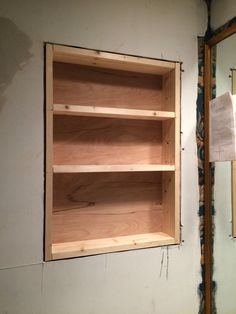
{"x": 122, "y": 113}
{"x": 110, "y": 168}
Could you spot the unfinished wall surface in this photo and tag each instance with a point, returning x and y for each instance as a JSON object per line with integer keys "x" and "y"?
{"x": 159, "y": 280}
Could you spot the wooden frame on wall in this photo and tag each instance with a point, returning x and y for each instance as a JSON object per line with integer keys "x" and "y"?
{"x": 233, "y": 170}
{"x": 217, "y": 37}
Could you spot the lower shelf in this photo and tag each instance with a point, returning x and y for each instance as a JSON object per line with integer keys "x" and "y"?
{"x": 106, "y": 245}
{"x": 105, "y": 212}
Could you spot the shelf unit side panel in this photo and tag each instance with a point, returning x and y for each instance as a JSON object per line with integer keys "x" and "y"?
{"x": 171, "y": 152}
{"x": 177, "y": 151}
{"x": 168, "y": 198}
{"x": 169, "y": 91}
{"x": 168, "y": 141}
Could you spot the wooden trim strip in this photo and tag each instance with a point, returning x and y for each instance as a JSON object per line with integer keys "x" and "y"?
{"x": 222, "y": 35}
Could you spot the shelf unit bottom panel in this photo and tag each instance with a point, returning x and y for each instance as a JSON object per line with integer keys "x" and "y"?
{"x": 91, "y": 207}
{"x": 106, "y": 245}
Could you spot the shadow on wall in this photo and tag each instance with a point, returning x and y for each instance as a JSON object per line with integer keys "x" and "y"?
{"x": 14, "y": 53}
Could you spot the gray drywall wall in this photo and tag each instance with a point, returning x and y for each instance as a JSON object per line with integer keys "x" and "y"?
{"x": 158, "y": 280}
{"x": 222, "y": 12}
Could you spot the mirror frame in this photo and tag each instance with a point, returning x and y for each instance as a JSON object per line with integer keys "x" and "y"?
{"x": 219, "y": 35}
{"x": 233, "y": 168}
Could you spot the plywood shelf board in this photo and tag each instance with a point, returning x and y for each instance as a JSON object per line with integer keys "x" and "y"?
{"x": 111, "y": 60}
{"x": 110, "y": 168}
{"x": 95, "y": 111}
{"x": 91, "y": 247}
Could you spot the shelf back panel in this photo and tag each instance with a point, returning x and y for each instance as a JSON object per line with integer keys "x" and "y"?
{"x": 97, "y": 141}
{"x": 103, "y": 205}
{"x": 91, "y": 86}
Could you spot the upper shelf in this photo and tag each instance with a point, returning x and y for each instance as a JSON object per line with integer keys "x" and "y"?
{"x": 94, "y": 111}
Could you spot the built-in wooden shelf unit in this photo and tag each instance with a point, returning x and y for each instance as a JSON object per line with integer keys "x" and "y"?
{"x": 112, "y": 152}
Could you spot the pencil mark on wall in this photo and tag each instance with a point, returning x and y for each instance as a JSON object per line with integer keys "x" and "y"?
{"x": 105, "y": 268}
{"x": 167, "y": 262}
{"x": 120, "y": 46}
{"x": 153, "y": 306}
{"x": 164, "y": 262}
{"x": 14, "y": 53}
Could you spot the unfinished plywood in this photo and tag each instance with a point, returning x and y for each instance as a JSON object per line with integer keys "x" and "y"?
{"x": 92, "y": 206}
{"x": 113, "y": 147}
{"x": 93, "y": 141}
{"x": 89, "y": 86}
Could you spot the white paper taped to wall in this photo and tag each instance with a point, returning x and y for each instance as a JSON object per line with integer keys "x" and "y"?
{"x": 223, "y": 128}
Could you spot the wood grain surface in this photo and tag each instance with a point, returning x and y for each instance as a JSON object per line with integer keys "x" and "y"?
{"x": 104, "y": 205}
{"x": 96, "y": 141}
{"x": 108, "y": 60}
{"x": 90, "y": 86}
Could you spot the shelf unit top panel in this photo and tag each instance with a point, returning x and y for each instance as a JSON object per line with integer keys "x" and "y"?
{"x": 111, "y": 60}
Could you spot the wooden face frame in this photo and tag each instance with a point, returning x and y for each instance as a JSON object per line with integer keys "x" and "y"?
{"x": 208, "y": 191}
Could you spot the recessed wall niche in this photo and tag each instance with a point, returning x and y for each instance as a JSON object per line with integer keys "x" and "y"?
{"x": 112, "y": 152}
